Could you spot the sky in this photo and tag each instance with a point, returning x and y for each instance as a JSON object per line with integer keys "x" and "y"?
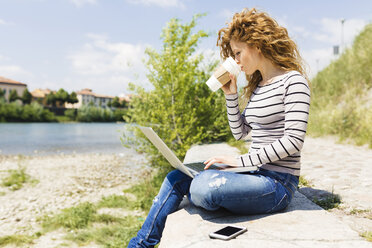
{"x": 100, "y": 44}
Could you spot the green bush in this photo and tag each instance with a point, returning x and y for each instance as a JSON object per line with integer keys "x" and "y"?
{"x": 181, "y": 108}
{"x": 71, "y": 114}
{"x": 16, "y": 112}
{"x": 89, "y": 113}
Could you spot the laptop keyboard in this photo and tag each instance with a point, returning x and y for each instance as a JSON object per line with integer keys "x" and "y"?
{"x": 199, "y": 166}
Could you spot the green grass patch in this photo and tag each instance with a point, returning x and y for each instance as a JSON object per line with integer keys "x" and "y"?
{"x": 17, "y": 178}
{"x": 367, "y": 235}
{"x": 365, "y": 213}
{"x": 71, "y": 218}
{"x": 147, "y": 190}
{"x": 85, "y": 225}
{"x": 304, "y": 183}
{"x": 63, "y": 118}
{"x": 114, "y": 235}
{"x": 2, "y": 193}
{"x": 329, "y": 202}
{"x": 116, "y": 201}
{"x": 17, "y": 240}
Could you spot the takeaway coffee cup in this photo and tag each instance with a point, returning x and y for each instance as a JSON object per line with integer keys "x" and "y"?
{"x": 221, "y": 76}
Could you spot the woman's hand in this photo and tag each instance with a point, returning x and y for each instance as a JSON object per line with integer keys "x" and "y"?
{"x": 230, "y": 87}
{"x": 227, "y": 160}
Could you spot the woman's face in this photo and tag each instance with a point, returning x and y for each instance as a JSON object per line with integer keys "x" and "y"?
{"x": 249, "y": 58}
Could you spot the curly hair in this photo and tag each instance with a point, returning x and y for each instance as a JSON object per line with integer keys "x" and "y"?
{"x": 258, "y": 29}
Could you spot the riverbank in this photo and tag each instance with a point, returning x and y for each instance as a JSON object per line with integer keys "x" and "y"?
{"x": 63, "y": 181}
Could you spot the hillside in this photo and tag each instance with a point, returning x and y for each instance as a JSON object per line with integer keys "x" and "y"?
{"x": 342, "y": 94}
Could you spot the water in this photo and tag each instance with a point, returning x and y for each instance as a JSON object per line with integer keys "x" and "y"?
{"x": 54, "y": 138}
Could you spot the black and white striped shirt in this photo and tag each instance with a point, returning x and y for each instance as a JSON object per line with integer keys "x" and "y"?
{"x": 277, "y": 115}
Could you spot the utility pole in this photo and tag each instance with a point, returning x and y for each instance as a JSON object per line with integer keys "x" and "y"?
{"x": 342, "y": 35}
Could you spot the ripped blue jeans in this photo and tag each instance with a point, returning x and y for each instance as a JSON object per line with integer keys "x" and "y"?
{"x": 249, "y": 193}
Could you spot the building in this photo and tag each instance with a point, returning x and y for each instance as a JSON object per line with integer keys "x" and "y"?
{"x": 7, "y": 85}
{"x": 39, "y": 95}
{"x": 86, "y": 96}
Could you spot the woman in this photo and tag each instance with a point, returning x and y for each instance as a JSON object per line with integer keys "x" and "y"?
{"x": 277, "y": 111}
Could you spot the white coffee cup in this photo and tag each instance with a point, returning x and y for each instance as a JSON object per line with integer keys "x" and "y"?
{"x": 221, "y": 76}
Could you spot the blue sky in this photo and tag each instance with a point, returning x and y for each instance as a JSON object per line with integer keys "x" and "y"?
{"x": 99, "y": 44}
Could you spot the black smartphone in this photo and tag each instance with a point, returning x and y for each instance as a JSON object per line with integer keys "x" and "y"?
{"x": 228, "y": 232}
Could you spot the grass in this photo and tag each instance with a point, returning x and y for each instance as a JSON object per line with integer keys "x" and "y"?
{"x": 367, "y": 235}
{"x": 17, "y": 178}
{"x": 329, "y": 202}
{"x": 17, "y": 240}
{"x": 84, "y": 225}
{"x": 116, "y": 201}
{"x": 365, "y": 213}
{"x": 339, "y": 104}
{"x": 304, "y": 183}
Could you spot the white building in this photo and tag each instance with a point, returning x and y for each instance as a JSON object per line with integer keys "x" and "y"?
{"x": 7, "y": 85}
{"x": 86, "y": 96}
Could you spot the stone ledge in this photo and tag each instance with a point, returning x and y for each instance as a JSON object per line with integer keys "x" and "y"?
{"x": 302, "y": 224}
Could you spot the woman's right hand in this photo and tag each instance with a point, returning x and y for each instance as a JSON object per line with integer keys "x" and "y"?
{"x": 230, "y": 87}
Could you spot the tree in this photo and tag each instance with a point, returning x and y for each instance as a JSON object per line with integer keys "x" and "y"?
{"x": 13, "y": 96}
{"x": 180, "y": 108}
{"x": 72, "y": 98}
{"x": 26, "y": 97}
{"x": 51, "y": 99}
{"x": 62, "y": 96}
{"x": 115, "y": 102}
{"x": 2, "y": 93}
{"x": 123, "y": 104}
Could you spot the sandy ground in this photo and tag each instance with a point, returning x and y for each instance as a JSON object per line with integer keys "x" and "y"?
{"x": 64, "y": 181}
{"x": 345, "y": 170}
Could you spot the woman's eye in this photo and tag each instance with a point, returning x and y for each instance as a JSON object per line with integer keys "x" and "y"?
{"x": 237, "y": 54}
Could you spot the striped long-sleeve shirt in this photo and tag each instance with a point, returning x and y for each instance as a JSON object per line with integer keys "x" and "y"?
{"x": 277, "y": 115}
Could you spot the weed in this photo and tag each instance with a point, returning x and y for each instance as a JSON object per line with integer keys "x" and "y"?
{"x": 367, "y": 235}
{"x": 16, "y": 179}
{"x": 329, "y": 202}
{"x": 115, "y": 201}
{"x": 16, "y": 240}
{"x": 365, "y": 213}
{"x": 304, "y": 183}
{"x": 71, "y": 218}
{"x": 113, "y": 235}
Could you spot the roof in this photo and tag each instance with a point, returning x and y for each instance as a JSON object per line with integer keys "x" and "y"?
{"x": 90, "y": 93}
{"x": 41, "y": 93}
{"x": 85, "y": 92}
{"x": 10, "y": 81}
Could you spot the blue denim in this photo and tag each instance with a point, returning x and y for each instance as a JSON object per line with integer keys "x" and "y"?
{"x": 260, "y": 192}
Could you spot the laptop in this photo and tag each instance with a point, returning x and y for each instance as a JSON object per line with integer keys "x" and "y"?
{"x": 190, "y": 169}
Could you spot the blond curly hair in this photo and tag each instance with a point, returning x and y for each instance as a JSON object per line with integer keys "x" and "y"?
{"x": 259, "y": 30}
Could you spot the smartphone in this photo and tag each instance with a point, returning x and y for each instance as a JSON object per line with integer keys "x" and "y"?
{"x": 228, "y": 232}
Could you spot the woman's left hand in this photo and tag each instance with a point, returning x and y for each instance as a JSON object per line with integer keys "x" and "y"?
{"x": 227, "y": 160}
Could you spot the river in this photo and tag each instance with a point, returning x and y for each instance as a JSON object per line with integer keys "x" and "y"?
{"x": 55, "y": 138}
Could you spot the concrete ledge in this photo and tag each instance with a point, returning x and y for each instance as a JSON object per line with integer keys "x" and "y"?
{"x": 302, "y": 224}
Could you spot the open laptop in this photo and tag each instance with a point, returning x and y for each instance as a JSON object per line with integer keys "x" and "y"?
{"x": 190, "y": 169}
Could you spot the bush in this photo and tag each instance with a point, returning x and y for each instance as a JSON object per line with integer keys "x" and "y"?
{"x": 180, "y": 108}
{"x": 88, "y": 113}
{"x": 33, "y": 112}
